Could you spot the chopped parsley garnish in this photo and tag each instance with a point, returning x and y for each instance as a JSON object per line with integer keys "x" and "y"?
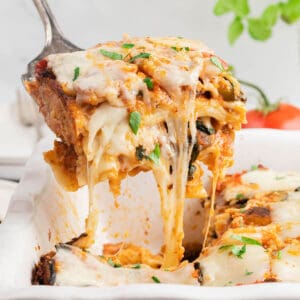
{"x": 155, "y": 279}
{"x": 140, "y": 152}
{"x": 128, "y": 46}
{"x": 279, "y": 254}
{"x": 112, "y": 55}
{"x": 279, "y": 177}
{"x": 254, "y": 167}
{"x": 177, "y": 49}
{"x": 180, "y": 37}
{"x": 245, "y": 240}
{"x": 113, "y": 264}
{"x": 155, "y": 154}
{"x": 238, "y": 251}
{"x": 216, "y": 61}
{"x": 149, "y": 83}
{"x": 76, "y": 73}
{"x": 134, "y": 121}
{"x": 247, "y": 273}
{"x": 141, "y": 55}
{"x": 239, "y": 196}
{"x": 136, "y": 266}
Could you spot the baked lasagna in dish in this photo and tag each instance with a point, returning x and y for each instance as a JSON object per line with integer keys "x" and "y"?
{"x": 166, "y": 105}
{"x": 253, "y": 238}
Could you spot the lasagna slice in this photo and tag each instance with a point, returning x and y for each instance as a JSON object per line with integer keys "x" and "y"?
{"x": 166, "y": 105}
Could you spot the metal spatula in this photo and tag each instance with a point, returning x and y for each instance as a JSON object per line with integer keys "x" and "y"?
{"x": 55, "y": 42}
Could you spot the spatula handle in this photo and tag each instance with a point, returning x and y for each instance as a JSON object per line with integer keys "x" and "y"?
{"x": 52, "y": 30}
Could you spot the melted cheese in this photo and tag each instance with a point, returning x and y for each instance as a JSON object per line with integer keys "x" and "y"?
{"x": 220, "y": 268}
{"x": 261, "y": 181}
{"x": 287, "y": 268}
{"x": 77, "y": 268}
{"x": 99, "y": 78}
{"x": 269, "y": 180}
{"x": 287, "y": 210}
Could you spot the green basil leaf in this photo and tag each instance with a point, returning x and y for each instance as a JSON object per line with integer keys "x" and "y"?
{"x": 135, "y": 121}
{"x": 235, "y": 29}
{"x": 149, "y": 83}
{"x": 141, "y": 55}
{"x": 270, "y": 15}
{"x": 258, "y": 29}
{"x": 222, "y": 7}
{"x": 245, "y": 240}
{"x": 216, "y": 61}
{"x": 128, "y": 46}
{"x": 155, "y": 154}
{"x": 241, "y": 8}
{"x": 290, "y": 11}
{"x": 76, "y": 73}
{"x": 112, "y": 55}
{"x": 238, "y": 7}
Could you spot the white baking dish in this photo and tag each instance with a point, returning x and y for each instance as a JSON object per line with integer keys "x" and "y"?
{"x": 41, "y": 214}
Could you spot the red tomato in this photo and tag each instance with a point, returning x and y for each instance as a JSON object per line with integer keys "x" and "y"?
{"x": 255, "y": 119}
{"x": 286, "y": 116}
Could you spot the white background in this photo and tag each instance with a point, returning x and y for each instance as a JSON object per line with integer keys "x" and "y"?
{"x": 274, "y": 65}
